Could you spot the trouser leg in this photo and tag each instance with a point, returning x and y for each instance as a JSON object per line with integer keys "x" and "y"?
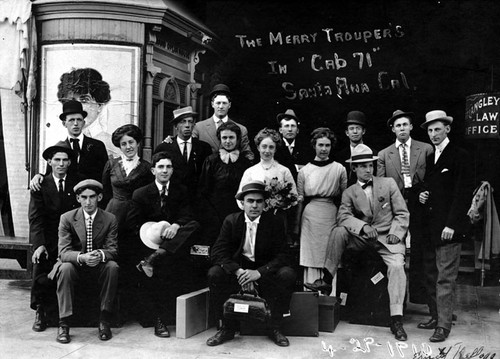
{"x": 108, "y": 284}
{"x": 336, "y": 245}
{"x": 430, "y": 277}
{"x": 221, "y": 285}
{"x": 67, "y": 276}
{"x": 396, "y": 276}
{"x": 447, "y": 262}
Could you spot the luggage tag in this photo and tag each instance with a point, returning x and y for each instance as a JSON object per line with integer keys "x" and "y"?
{"x": 240, "y": 308}
{"x": 377, "y": 278}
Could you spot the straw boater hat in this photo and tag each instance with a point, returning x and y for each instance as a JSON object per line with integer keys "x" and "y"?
{"x": 289, "y": 115}
{"x": 355, "y": 118}
{"x": 436, "y": 115}
{"x": 150, "y": 233}
{"x": 60, "y": 146}
{"x": 220, "y": 89}
{"x": 362, "y": 153}
{"x": 398, "y": 114}
{"x": 252, "y": 187}
{"x": 181, "y": 113}
{"x": 71, "y": 107}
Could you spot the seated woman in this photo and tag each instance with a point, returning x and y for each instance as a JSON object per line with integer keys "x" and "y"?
{"x": 319, "y": 182}
{"x": 219, "y": 179}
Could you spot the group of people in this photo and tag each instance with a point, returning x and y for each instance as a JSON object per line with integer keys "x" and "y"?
{"x": 129, "y": 224}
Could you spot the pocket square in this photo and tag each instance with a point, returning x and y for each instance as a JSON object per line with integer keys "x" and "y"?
{"x": 444, "y": 170}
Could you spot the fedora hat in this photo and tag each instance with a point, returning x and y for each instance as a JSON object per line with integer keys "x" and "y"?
{"x": 356, "y": 118}
{"x": 181, "y": 113}
{"x": 70, "y": 107}
{"x": 220, "y": 89}
{"x": 252, "y": 187}
{"x": 60, "y": 146}
{"x": 398, "y": 114}
{"x": 436, "y": 115}
{"x": 150, "y": 233}
{"x": 361, "y": 153}
{"x": 289, "y": 114}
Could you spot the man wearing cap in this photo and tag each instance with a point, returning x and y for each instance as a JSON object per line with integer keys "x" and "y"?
{"x": 373, "y": 214}
{"x": 88, "y": 246}
{"x": 90, "y": 154}
{"x": 251, "y": 251}
{"x": 405, "y": 162}
{"x": 55, "y": 197}
{"x": 445, "y": 194}
{"x": 186, "y": 152}
{"x": 220, "y": 99}
{"x": 355, "y": 129}
{"x": 161, "y": 201}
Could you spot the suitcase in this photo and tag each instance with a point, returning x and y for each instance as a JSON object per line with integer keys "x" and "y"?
{"x": 329, "y": 313}
{"x": 192, "y": 313}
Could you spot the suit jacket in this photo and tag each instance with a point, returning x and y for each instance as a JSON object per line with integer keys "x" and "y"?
{"x": 207, "y": 131}
{"x": 73, "y": 235}
{"x": 343, "y": 155}
{"x": 450, "y": 184}
{"x": 389, "y": 214}
{"x": 45, "y": 209}
{"x": 270, "y": 244}
{"x": 389, "y": 162}
{"x": 186, "y": 173}
{"x": 302, "y": 153}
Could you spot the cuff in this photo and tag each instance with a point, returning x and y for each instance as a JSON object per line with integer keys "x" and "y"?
{"x": 102, "y": 255}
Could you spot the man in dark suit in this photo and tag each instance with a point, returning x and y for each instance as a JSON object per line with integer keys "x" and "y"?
{"x": 88, "y": 246}
{"x": 405, "y": 162}
{"x": 186, "y": 152}
{"x": 206, "y": 130}
{"x": 90, "y": 154}
{"x": 45, "y": 208}
{"x": 251, "y": 251}
{"x": 373, "y": 214}
{"x": 160, "y": 202}
{"x": 446, "y": 194}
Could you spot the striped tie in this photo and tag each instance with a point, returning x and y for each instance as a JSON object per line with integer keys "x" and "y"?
{"x": 405, "y": 165}
{"x": 89, "y": 235}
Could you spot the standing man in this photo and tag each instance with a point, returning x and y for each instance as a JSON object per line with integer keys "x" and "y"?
{"x": 187, "y": 153}
{"x": 405, "y": 162}
{"x": 373, "y": 214}
{"x": 355, "y": 129}
{"x": 88, "y": 246}
{"x": 220, "y": 99}
{"x": 446, "y": 194}
{"x": 250, "y": 251}
{"x": 90, "y": 154}
{"x": 55, "y": 197}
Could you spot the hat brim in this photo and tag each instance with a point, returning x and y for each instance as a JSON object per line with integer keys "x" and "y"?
{"x": 241, "y": 195}
{"x": 447, "y": 119}
{"x": 56, "y": 149}
{"x": 362, "y": 160}
{"x": 390, "y": 121}
{"x": 184, "y": 115}
{"x": 281, "y": 116}
{"x": 63, "y": 115}
{"x": 153, "y": 243}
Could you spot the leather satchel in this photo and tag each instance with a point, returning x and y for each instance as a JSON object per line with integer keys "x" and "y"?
{"x": 247, "y": 307}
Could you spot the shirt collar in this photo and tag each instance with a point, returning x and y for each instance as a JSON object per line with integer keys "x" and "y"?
{"x": 79, "y": 137}
{"x": 289, "y": 144}
{"x": 398, "y": 143}
{"x": 181, "y": 141}
{"x": 224, "y": 120}
{"x": 443, "y": 145}
{"x": 87, "y": 215}
{"x": 256, "y": 220}
{"x": 160, "y": 186}
{"x": 56, "y": 179}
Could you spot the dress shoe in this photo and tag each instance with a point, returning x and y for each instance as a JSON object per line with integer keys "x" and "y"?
{"x": 63, "y": 335}
{"x": 220, "y": 337}
{"x": 147, "y": 264}
{"x": 278, "y": 338}
{"x": 440, "y": 334}
{"x": 319, "y": 285}
{"x": 161, "y": 329}
{"x": 398, "y": 331}
{"x": 104, "y": 331}
{"x": 431, "y": 324}
{"x": 40, "y": 323}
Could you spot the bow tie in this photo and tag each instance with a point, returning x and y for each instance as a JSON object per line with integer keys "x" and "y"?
{"x": 225, "y": 156}
{"x": 369, "y": 183}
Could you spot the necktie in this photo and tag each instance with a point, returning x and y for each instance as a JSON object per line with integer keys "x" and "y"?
{"x": 369, "y": 183}
{"x": 185, "y": 151}
{"x": 89, "y": 235}
{"x": 405, "y": 165}
{"x": 163, "y": 196}
{"x": 290, "y": 148}
{"x": 218, "y": 123}
{"x": 60, "y": 188}
{"x": 76, "y": 146}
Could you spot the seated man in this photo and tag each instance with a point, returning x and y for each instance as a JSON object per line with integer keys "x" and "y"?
{"x": 162, "y": 200}
{"x": 87, "y": 246}
{"x": 55, "y": 197}
{"x": 373, "y": 214}
{"x": 250, "y": 251}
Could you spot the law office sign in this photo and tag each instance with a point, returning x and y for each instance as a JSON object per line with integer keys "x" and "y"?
{"x": 482, "y": 113}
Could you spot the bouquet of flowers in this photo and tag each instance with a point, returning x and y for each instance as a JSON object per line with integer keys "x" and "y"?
{"x": 281, "y": 195}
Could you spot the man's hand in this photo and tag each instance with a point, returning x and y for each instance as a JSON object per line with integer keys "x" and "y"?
{"x": 36, "y": 182}
{"x": 248, "y": 288}
{"x": 423, "y": 197}
{"x": 168, "y": 139}
{"x": 39, "y": 252}
{"x": 370, "y": 232}
{"x": 91, "y": 259}
{"x": 447, "y": 234}
{"x": 392, "y": 239}
{"x": 171, "y": 231}
{"x": 246, "y": 276}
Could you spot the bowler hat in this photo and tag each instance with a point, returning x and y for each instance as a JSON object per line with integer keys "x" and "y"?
{"x": 151, "y": 233}
{"x": 181, "y": 113}
{"x": 252, "y": 187}
{"x": 289, "y": 115}
{"x": 398, "y": 114}
{"x": 356, "y": 118}
{"x": 220, "y": 89}
{"x": 88, "y": 183}
{"x": 60, "y": 146}
{"x": 70, "y": 107}
{"x": 436, "y": 115}
{"x": 362, "y": 153}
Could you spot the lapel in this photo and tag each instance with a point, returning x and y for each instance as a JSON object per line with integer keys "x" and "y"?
{"x": 362, "y": 201}
{"x": 395, "y": 159}
{"x": 52, "y": 191}
{"x": 79, "y": 226}
{"x": 212, "y": 130}
{"x": 415, "y": 152}
{"x": 378, "y": 191}
{"x": 241, "y": 226}
{"x": 97, "y": 225}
